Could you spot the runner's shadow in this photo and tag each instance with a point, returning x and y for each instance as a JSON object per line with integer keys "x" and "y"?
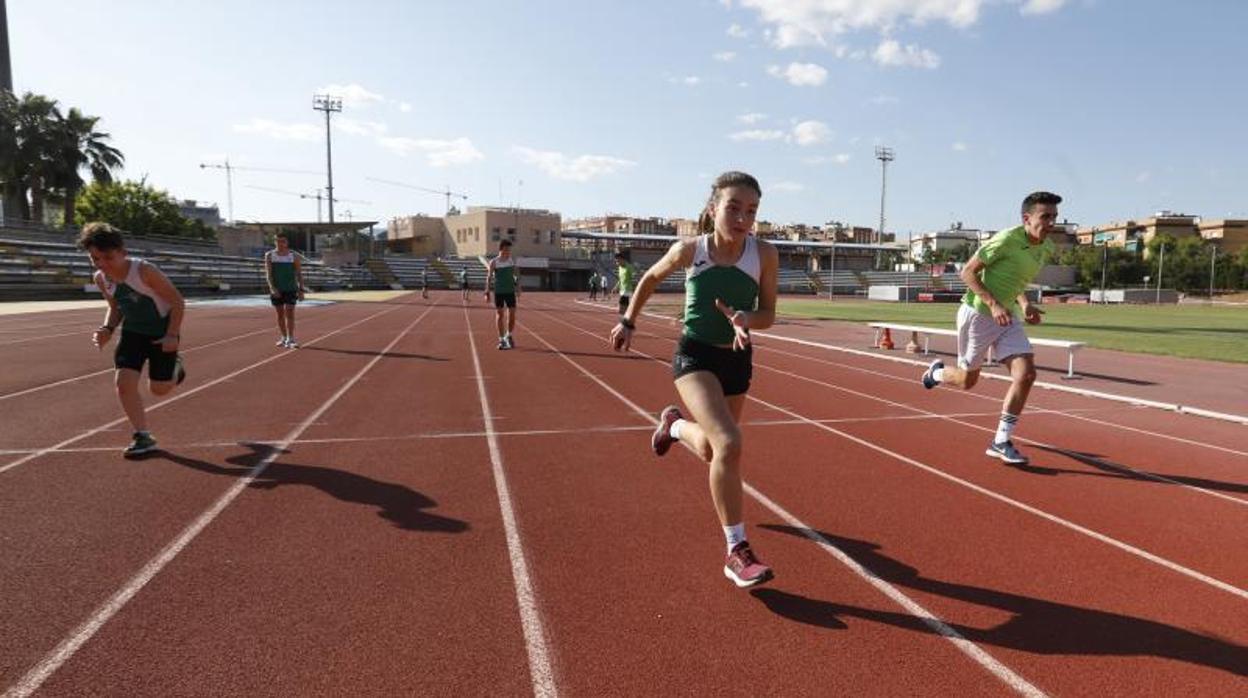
{"x": 1035, "y": 625}
{"x": 398, "y": 504}
{"x": 1108, "y": 468}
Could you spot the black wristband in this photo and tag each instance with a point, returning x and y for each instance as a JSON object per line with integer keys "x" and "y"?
{"x": 110, "y": 328}
{"x": 628, "y": 324}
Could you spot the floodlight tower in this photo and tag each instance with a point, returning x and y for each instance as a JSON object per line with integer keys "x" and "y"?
{"x": 328, "y": 104}
{"x": 884, "y": 155}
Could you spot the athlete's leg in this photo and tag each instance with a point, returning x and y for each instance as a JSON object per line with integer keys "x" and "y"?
{"x": 713, "y": 433}
{"x": 127, "y": 382}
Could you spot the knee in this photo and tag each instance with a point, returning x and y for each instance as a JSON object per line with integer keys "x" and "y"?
{"x": 971, "y": 380}
{"x": 161, "y": 387}
{"x": 726, "y": 443}
{"x": 1026, "y": 377}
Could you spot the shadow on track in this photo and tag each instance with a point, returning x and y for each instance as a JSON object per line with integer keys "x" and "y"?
{"x": 1035, "y": 625}
{"x": 398, "y": 504}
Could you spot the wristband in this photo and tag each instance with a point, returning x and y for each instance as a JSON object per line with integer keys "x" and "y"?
{"x": 110, "y": 328}
{"x": 627, "y": 324}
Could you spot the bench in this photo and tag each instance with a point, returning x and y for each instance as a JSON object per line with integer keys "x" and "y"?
{"x": 927, "y": 332}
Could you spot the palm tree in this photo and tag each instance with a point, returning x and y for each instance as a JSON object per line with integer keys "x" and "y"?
{"x": 25, "y": 144}
{"x": 80, "y": 145}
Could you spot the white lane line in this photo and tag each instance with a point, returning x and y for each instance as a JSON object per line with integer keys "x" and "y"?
{"x": 36, "y": 339}
{"x": 952, "y": 418}
{"x": 1095, "y": 535}
{"x": 80, "y": 635}
{"x": 185, "y": 394}
{"x": 106, "y": 371}
{"x": 382, "y": 438}
{"x": 530, "y": 615}
{"x": 988, "y": 398}
{"x": 970, "y": 649}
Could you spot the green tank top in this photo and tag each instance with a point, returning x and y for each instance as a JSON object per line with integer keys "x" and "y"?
{"x": 142, "y": 312}
{"x": 504, "y": 276}
{"x": 705, "y": 281}
{"x": 284, "y": 271}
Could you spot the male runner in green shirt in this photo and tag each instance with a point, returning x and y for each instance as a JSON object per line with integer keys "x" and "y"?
{"x": 284, "y": 272}
{"x": 502, "y": 274}
{"x": 996, "y": 278}
{"x": 625, "y": 278}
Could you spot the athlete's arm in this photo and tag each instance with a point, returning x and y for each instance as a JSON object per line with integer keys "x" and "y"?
{"x": 162, "y": 287}
{"x": 764, "y": 315}
{"x": 970, "y": 276}
{"x": 268, "y": 273}
{"x": 112, "y": 317}
{"x": 680, "y": 255}
{"x": 299, "y": 275}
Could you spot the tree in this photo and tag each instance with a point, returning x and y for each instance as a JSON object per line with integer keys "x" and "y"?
{"x": 137, "y": 208}
{"x": 80, "y": 145}
{"x": 43, "y": 151}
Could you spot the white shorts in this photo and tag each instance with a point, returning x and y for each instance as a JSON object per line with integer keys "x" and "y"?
{"x": 977, "y": 332}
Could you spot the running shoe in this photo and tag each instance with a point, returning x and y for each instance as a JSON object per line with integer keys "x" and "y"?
{"x": 511, "y": 343}
{"x": 281, "y": 342}
{"x": 292, "y": 344}
{"x": 744, "y": 568}
{"x": 502, "y": 342}
{"x": 142, "y": 443}
{"x": 1006, "y": 452}
{"x": 179, "y": 371}
{"x": 662, "y": 439}
{"x": 929, "y": 381}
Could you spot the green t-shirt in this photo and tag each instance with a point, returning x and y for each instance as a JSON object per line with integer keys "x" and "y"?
{"x": 1011, "y": 261}
{"x": 628, "y": 279}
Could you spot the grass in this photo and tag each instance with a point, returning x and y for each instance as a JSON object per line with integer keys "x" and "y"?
{"x": 1217, "y": 333}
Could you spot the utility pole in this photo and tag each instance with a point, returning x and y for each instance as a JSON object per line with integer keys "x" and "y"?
{"x": 1213, "y": 258}
{"x": 1160, "y": 263}
{"x": 1104, "y": 268}
{"x": 885, "y": 155}
{"x": 328, "y": 104}
{"x": 6, "y": 68}
{"x": 229, "y": 183}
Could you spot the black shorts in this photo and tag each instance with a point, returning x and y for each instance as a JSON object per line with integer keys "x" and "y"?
{"x": 507, "y": 299}
{"x": 133, "y": 350}
{"x": 623, "y": 303}
{"x": 285, "y": 298}
{"x": 734, "y": 369}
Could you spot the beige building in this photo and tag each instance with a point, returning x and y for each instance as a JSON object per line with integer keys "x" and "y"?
{"x": 421, "y": 236}
{"x": 1135, "y": 234}
{"x": 533, "y": 232}
{"x": 1229, "y": 234}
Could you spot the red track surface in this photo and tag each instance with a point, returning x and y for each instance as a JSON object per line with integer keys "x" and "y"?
{"x": 359, "y": 541}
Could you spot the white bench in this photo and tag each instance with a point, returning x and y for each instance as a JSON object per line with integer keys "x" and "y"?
{"x": 927, "y": 332}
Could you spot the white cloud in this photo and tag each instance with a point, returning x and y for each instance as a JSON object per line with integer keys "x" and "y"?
{"x": 757, "y": 135}
{"x": 1040, "y": 7}
{"x": 405, "y": 107}
{"x": 736, "y": 31}
{"x": 786, "y": 186}
{"x": 1143, "y": 176}
{"x": 751, "y": 118}
{"x": 725, "y": 56}
{"x": 359, "y": 128}
{"x": 958, "y": 146}
{"x": 881, "y": 100}
{"x": 800, "y": 74}
{"x": 690, "y": 80}
{"x": 743, "y": 84}
{"x": 438, "y": 153}
{"x": 892, "y": 54}
{"x": 811, "y": 133}
{"x": 838, "y": 159}
{"x": 581, "y": 168}
{"x": 280, "y": 131}
{"x": 353, "y": 95}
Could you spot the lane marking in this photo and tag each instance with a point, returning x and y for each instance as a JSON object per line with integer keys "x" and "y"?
{"x": 80, "y": 635}
{"x": 970, "y": 649}
{"x": 530, "y": 615}
{"x": 1095, "y": 535}
{"x": 184, "y": 394}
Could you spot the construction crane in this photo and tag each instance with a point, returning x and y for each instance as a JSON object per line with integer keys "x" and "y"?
{"x": 447, "y": 192}
{"x": 318, "y": 195}
{"x": 229, "y": 179}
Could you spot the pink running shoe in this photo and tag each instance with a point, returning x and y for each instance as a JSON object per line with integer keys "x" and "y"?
{"x": 662, "y": 439}
{"x": 744, "y": 569}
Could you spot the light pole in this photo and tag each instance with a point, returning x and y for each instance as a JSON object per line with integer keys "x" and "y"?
{"x": 328, "y": 104}
{"x": 1213, "y": 258}
{"x": 1104, "y": 268}
{"x": 229, "y": 183}
{"x": 885, "y": 155}
{"x": 1160, "y": 263}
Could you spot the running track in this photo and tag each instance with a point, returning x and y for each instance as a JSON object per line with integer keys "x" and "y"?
{"x": 398, "y": 508}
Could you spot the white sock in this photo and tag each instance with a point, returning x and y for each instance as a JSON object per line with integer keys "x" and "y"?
{"x": 675, "y": 430}
{"x": 1005, "y": 427}
{"x": 734, "y": 534}
{"x": 939, "y": 375}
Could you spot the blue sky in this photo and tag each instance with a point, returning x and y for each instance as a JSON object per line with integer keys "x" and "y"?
{"x": 583, "y": 107}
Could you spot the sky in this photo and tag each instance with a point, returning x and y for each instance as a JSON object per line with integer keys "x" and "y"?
{"x": 1124, "y": 107}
